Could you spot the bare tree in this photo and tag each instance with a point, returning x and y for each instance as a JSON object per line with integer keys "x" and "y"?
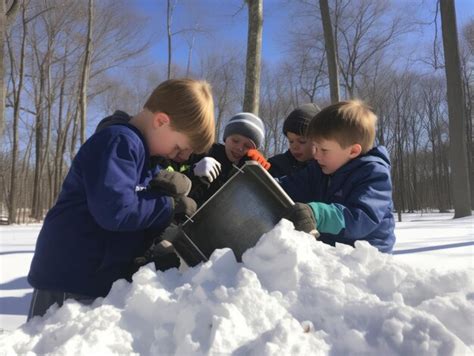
{"x": 7, "y": 15}
{"x": 254, "y": 53}
{"x": 468, "y": 77}
{"x": 169, "y": 19}
{"x": 86, "y": 70}
{"x": 46, "y": 71}
{"x": 363, "y": 29}
{"x": 331, "y": 50}
{"x": 276, "y": 104}
{"x": 17, "y": 92}
{"x": 460, "y": 177}
{"x": 223, "y": 71}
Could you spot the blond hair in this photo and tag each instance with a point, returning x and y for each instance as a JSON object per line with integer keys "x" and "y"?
{"x": 347, "y": 122}
{"x": 190, "y": 106}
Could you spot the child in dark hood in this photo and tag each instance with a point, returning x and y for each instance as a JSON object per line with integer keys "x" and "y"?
{"x": 346, "y": 192}
{"x": 243, "y": 136}
{"x": 300, "y": 150}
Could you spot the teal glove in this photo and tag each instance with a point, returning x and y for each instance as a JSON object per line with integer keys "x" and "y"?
{"x": 330, "y": 218}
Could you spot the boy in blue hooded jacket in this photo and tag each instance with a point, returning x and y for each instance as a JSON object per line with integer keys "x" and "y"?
{"x": 112, "y": 197}
{"x": 346, "y": 192}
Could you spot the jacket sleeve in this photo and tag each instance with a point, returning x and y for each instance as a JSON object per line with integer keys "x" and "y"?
{"x": 366, "y": 206}
{"x": 300, "y": 185}
{"x": 275, "y": 169}
{"x": 110, "y": 172}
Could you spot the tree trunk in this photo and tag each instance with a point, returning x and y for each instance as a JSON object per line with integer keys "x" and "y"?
{"x": 190, "y": 55}
{"x": 16, "y": 116}
{"x": 169, "y": 19}
{"x": 86, "y": 71}
{"x": 3, "y": 31}
{"x": 6, "y": 17}
{"x": 254, "y": 53}
{"x": 457, "y": 135}
{"x": 331, "y": 52}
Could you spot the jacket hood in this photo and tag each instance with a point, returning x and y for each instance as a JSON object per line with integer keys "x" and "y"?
{"x": 118, "y": 117}
{"x": 377, "y": 154}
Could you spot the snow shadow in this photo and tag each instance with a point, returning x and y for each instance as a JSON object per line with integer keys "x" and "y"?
{"x": 19, "y": 283}
{"x": 15, "y": 252}
{"x": 432, "y": 248}
{"x": 15, "y": 305}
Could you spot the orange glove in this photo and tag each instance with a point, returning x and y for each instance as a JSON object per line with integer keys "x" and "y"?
{"x": 254, "y": 155}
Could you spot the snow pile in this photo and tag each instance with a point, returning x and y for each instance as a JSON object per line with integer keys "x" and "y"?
{"x": 290, "y": 295}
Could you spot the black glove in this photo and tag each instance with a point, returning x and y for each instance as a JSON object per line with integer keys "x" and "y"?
{"x": 302, "y": 217}
{"x": 183, "y": 207}
{"x": 161, "y": 254}
{"x": 172, "y": 184}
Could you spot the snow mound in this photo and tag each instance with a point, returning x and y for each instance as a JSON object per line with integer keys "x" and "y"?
{"x": 290, "y": 295}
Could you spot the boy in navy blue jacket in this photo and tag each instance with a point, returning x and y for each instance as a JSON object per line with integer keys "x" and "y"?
{"x": 346, "y": 193}
{"x": 112, "y": 197}
{"x": 300, "y": 148}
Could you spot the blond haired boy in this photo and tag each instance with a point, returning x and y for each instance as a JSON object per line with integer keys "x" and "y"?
{"x": 346, "y": 193}
{"x": 112, "y": 195}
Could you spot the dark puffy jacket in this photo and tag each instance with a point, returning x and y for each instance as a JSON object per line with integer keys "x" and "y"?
{"x": 98, "y": 224}
{"x": 359, "y": 195}
{"x": 285, "y": 164}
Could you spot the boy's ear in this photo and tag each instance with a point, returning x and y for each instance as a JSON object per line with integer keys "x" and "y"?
{"x": 355, "y": 151}
{"x": 160, "y": 119}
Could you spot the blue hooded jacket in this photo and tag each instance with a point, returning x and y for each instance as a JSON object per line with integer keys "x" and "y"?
{"x": 97, "y": 226}
{"x": 353, "y": 203}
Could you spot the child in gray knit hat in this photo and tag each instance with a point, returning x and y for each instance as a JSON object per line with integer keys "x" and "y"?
{"x": 300, "y": 150}
{"x": 243, "y": 136}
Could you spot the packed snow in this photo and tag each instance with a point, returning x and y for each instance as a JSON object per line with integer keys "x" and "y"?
{"x": 290, "y": 295}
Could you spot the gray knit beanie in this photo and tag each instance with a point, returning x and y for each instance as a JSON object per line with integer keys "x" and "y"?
{"x": 248, "y": 125}
{"x": 298, "y": 120}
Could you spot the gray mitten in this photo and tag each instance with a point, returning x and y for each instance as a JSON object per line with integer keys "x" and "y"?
{"x": 171, "y": 183}
{"x": 183, "y": 207}
{"x": 302, "y": 217}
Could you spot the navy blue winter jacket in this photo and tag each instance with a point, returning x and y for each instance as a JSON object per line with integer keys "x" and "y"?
{"x": 97, "y": 226}
{"x": 353, "y": 203}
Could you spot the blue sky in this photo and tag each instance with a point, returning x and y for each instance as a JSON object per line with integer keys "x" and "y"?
{"x": 226, "y": 25}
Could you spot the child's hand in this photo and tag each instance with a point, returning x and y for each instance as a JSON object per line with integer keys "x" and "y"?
{"x": 254, "y": 155}
{"x": 171, "y": 183}
{"x": 207, "y": 167}
{"x": 302, "y": 217}
{"x": 183, "y": 208}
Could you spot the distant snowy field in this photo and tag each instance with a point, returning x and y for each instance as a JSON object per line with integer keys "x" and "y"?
{"x": 290, "y": 295}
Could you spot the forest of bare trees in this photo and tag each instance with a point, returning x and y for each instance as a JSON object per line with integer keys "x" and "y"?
{"x": 61, "y": 60}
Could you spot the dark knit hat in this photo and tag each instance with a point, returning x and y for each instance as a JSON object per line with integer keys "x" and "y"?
{"x": 298, "y": 120}
{"x": 248, "y": 125}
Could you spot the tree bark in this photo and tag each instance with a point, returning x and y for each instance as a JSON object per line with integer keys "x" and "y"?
{"x": 169, "y": 19}
{"x": 3, "y": 27}
{"x": 86, "y": 71}
{"x": 331, "y": 51}
{"x": 254, "y": 53}
{"x": 6, "y": 17}
{"x": 16, "y": 116}
{"x": 457, "y": 135}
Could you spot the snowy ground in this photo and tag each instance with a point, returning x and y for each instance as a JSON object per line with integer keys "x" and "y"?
{"x": 291, "y": 295}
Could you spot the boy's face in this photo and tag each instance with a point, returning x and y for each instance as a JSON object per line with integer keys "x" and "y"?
{"x": 331, "y": 156}
{"x": 300, "y": 147}
{"x": 237, "y": 146}
{"x": 165, "y": 142}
